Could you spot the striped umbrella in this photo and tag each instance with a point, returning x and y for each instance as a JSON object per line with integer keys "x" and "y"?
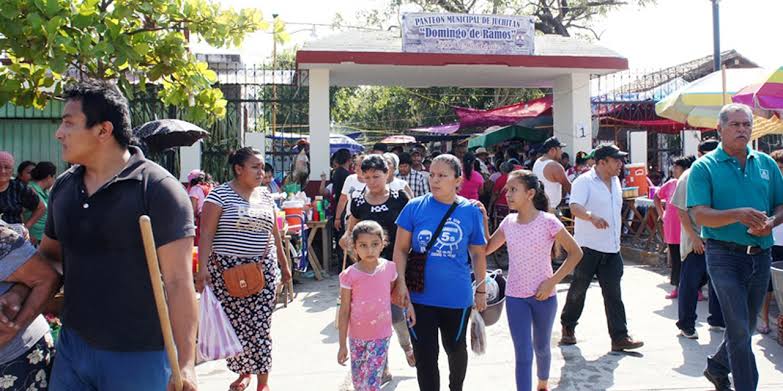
{"x": 699, "y": 103}
{"x": 399, "y": 139}
{"x": 767, "y": 95}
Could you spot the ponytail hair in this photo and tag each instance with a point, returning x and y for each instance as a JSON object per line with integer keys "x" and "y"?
{"x": 530, "y": 181}
{"x": 240, "y": 156}
{"x": 468, "y": 164}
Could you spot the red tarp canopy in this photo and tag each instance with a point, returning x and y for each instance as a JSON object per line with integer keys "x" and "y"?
{"x": 656, "y": 125}
{"x": 502, "y": 116}
{"x": 636, "y": 115}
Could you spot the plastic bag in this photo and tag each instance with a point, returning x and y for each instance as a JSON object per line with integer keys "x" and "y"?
{"x": 216, "y": 337}
{"x": 493, "y": 290}
{"x": 478, "y": 333}
{"x": 491, "y": 285}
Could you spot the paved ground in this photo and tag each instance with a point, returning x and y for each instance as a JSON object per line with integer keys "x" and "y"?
{"x": 305, "y": 348}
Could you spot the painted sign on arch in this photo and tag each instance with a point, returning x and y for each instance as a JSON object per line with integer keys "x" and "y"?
{"x": 467, "y": 34}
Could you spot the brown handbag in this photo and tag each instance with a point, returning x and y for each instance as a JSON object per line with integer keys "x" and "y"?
{"x": 415, "y": 266}
{"x": 246, "y": 279}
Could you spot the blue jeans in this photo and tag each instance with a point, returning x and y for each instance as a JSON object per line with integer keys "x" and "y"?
{"x": 80, "y": 367}
{"x": 531, "y": 323}
{"x": 741, "y": 282}
{"x": 694, "y": 271}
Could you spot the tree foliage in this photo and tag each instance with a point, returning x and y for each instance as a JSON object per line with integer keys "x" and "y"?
{"x": 50, "y": 43}
{"x": 385, "y": 109}
{"x": 561, "y": 17}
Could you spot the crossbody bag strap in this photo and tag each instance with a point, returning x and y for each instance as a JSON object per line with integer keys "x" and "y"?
{"x": 440, "y": 226}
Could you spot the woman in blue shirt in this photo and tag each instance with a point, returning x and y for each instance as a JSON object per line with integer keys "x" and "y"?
{"x": 444, "y": 302}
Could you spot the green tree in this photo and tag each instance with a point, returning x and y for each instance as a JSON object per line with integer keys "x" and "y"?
{"x": 50, "y": 43}
{"x": 561, "y": 17}
{"x": 385, "y": 109}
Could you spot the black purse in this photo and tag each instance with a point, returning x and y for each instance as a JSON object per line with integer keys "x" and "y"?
{"x": 414, "y": 268}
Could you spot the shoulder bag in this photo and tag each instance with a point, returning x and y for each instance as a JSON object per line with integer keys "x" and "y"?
{"x": 414, "y": 268}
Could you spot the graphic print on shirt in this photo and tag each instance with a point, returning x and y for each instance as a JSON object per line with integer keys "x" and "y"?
{"x": 378, "y": 208}
{"x": 448, "y": 242}
{"x": 255, "y": 216}
{"x": 424, "y": 239}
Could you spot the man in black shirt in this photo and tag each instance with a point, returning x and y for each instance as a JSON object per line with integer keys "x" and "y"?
{"x": 111, "y": 337}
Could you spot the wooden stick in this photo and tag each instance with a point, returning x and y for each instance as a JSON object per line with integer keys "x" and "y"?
{"x": 160, "y": 299}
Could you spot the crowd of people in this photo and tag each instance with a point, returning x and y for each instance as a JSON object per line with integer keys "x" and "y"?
{"x": 417, "y": 227}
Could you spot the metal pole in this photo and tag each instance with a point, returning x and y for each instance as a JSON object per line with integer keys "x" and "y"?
{"x": 716, "y": 35}
{"x": 274, "y": 84}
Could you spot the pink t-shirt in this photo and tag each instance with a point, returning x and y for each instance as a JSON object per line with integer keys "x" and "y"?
{"x": 370, "y": 300}
{"x": 470, "y": 186}
{"x": 671, "y": 223}
{"x": 529, "y": 252}
{"x": 197, "y": 192}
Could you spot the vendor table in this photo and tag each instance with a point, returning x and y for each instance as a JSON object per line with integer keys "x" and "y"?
{"x": 321, "y": 226}
{"x": 649, "y": 237}
{"x": 287, "y": 290}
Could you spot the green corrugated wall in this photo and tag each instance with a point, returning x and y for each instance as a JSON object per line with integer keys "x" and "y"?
{"x": 29, "y": 133}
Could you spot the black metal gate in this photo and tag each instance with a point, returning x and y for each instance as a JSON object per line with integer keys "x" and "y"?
{"x": 259, "y": 99}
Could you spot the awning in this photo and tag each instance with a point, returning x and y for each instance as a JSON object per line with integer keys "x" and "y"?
{"x": 337, "y": 141}
{"x": 399, "y": 139}
{"x": 497, "y": 135}
{"x": 763, "y": 126}
{"x": 438, "y": 129}
{"x": 656, "y": 125}
{"x": 501, "y": 116}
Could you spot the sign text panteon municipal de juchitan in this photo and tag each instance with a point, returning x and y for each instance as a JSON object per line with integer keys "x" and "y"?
{"x": 468, "y": 34}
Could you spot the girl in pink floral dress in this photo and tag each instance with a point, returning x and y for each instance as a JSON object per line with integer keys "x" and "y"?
{"x": 365, "y": 307}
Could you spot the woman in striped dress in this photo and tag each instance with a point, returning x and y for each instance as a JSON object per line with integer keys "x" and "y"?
{"x": 238, "y": 227}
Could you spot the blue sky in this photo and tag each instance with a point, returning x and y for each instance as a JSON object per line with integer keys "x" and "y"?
{"x": 669, "y": 33}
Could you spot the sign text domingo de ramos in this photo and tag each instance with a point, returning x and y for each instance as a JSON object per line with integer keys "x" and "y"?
{"x": 467, "y": 33}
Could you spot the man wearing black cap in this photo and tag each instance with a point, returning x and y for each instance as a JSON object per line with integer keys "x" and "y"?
{"x": 596, "y": 203}
{"x": 548, "y": 169}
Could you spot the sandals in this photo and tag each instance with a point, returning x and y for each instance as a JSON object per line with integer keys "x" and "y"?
{"x": 386, "y": 378}
{"x": 240, "y": 384}
{"x": 762, "y": 328}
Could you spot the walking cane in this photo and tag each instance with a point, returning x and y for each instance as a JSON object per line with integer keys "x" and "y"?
{"x": 160, "y": 299}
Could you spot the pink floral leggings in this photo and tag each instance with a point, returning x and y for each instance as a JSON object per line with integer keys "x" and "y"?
{"x": 368, "y": 358}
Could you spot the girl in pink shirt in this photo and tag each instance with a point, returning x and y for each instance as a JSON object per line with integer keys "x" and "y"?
{"x": 472, "y": 180}
{"x": 530, "y": 291}
{"x": 365, "y": 307}
{"x": 671, "y": 221}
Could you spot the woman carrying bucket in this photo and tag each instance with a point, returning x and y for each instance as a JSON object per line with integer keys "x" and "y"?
{"x": 530, "y": 290}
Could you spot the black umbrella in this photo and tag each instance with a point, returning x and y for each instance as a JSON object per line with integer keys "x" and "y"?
{"x": 163, "y": 134}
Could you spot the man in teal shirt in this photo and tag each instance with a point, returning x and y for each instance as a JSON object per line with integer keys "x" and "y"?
{"x": 736, "y": 194}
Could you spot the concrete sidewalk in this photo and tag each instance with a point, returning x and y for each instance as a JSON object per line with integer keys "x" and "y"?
{"x": 305, "y": 348}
